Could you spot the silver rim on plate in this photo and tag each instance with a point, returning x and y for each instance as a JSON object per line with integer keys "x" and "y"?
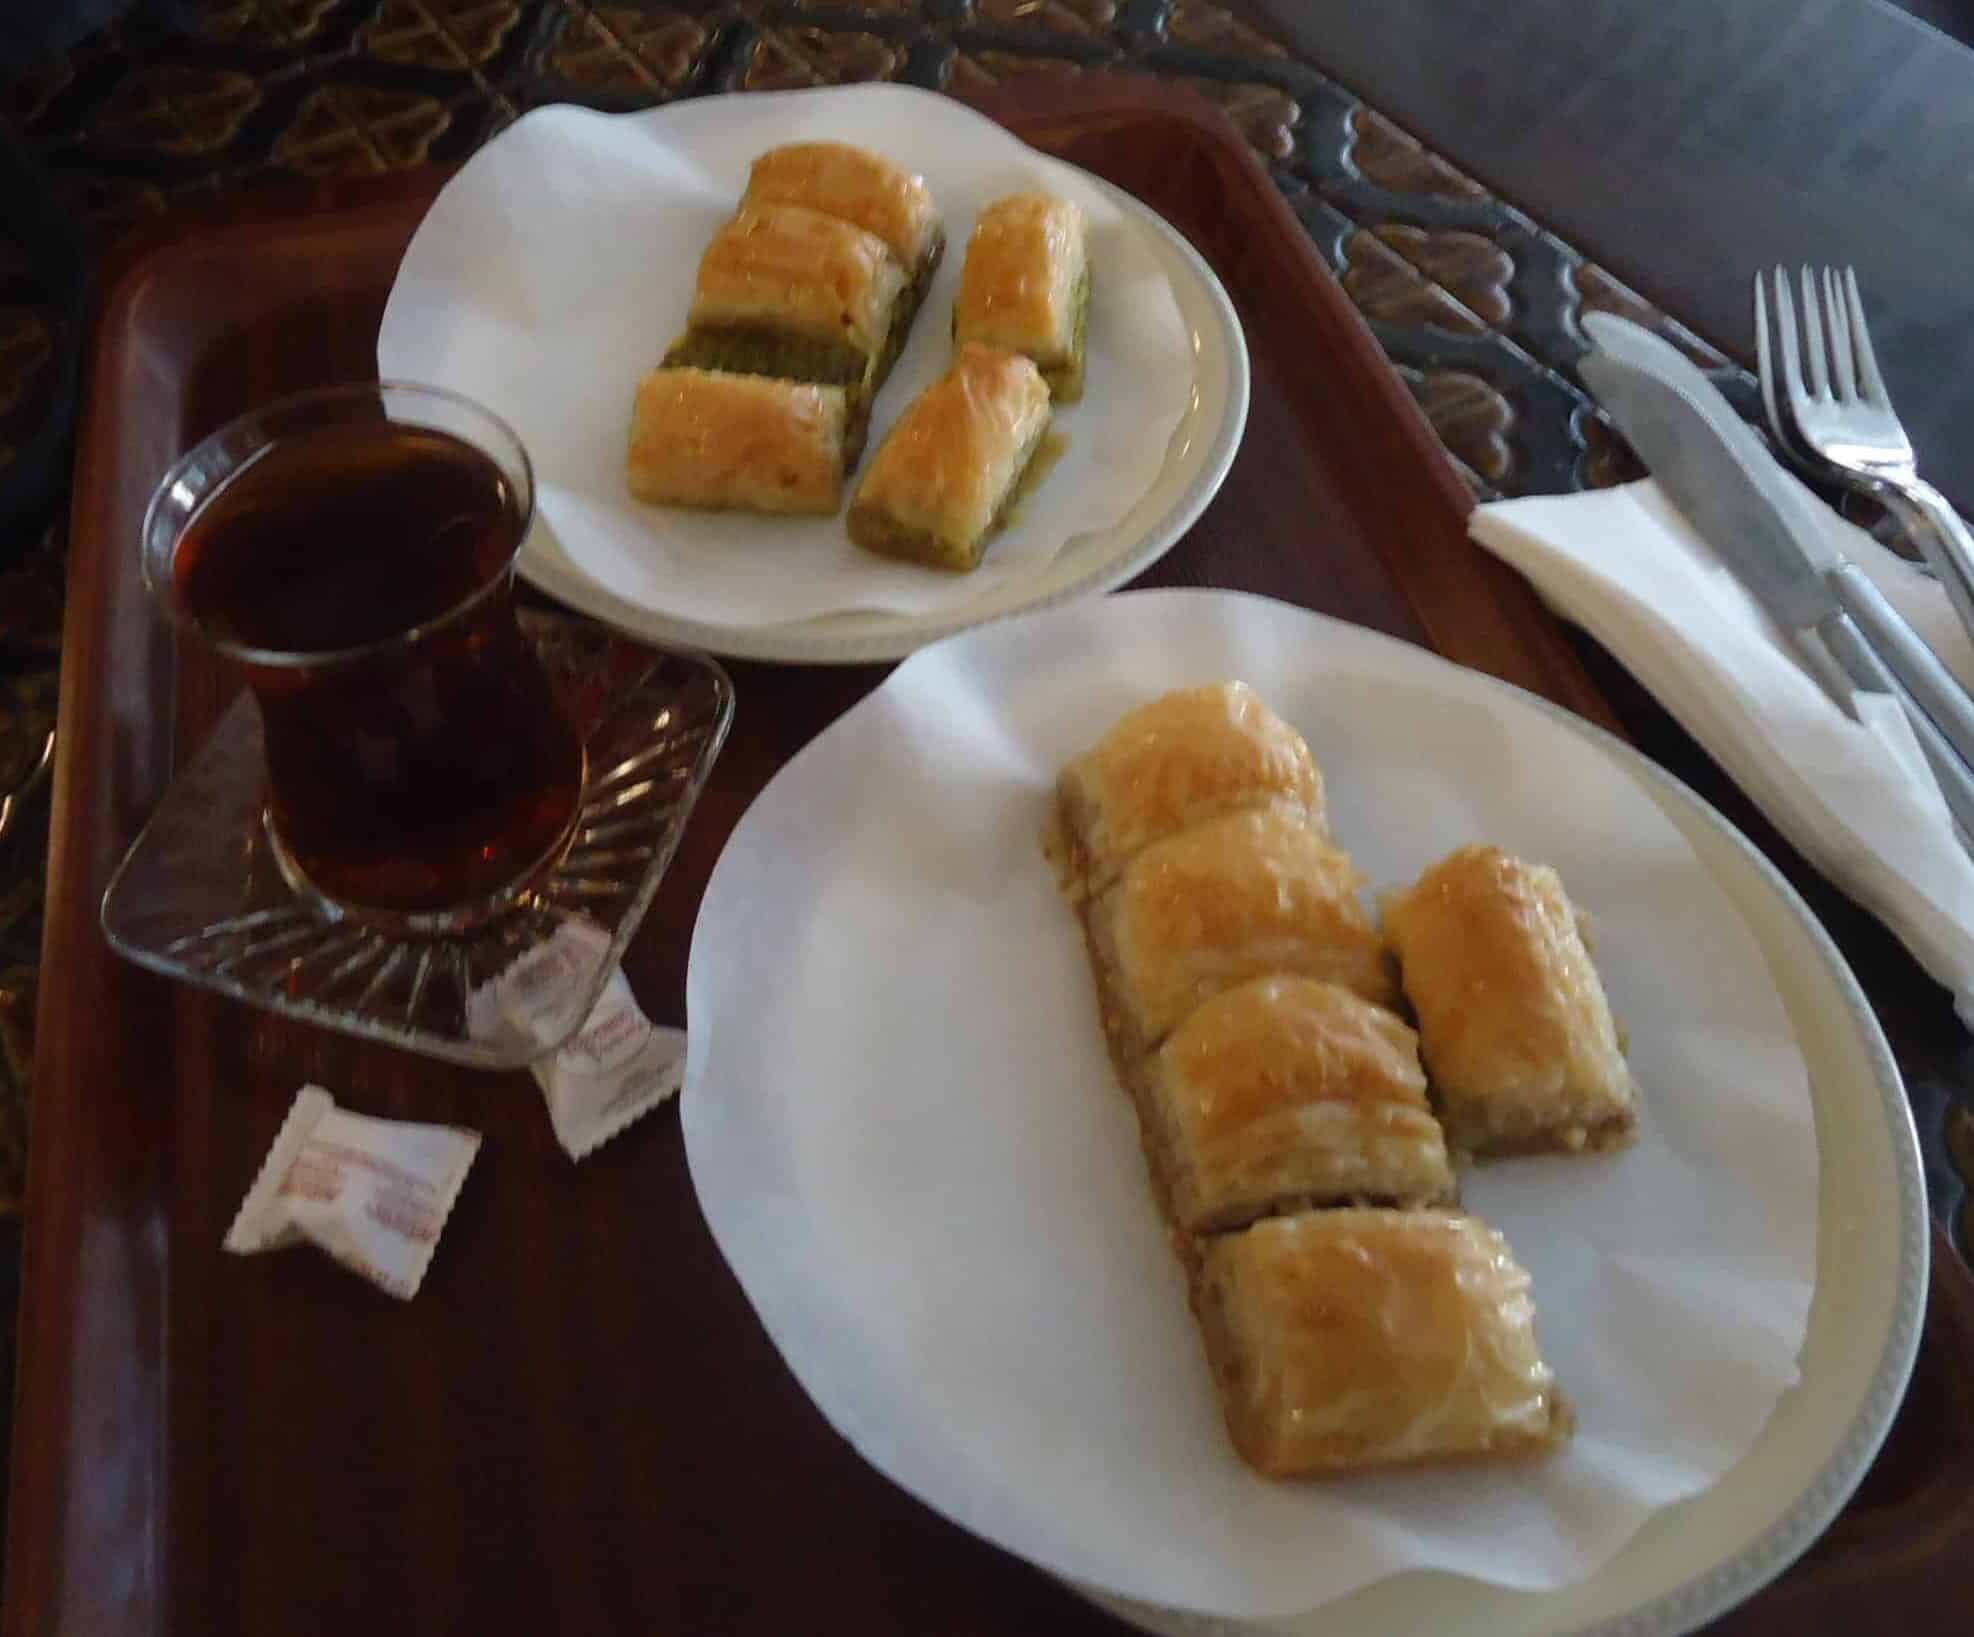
{"x": 1729, "y": 1583}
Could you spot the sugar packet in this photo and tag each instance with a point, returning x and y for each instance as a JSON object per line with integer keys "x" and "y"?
{"x": 617, "y": 1066}
{"x": 375, "y": 1194}
{"x": 532, "y": 1002}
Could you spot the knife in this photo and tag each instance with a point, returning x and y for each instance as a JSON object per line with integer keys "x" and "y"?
{"x": 1723, "y": 479}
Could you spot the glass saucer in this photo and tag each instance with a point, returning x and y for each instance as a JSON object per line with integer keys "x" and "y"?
{"x": 199, "y": 896}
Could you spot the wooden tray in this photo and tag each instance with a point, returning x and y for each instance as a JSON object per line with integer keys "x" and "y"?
{"x": 578, "y": 1425}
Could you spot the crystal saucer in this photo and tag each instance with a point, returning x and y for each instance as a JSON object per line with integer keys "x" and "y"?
{"x": 199, "y": 896}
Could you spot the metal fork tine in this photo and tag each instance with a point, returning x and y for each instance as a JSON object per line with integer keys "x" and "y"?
{"x": 1819, "y": 375}
{"x": 1785, "y": 332}
{"x": 1841, "y": 333}
{"x": 1785, "y": 435}
{"x": 1765, "y": 363}
{"x": 1867, "y": 361}
{"x": 1856, "y": 436}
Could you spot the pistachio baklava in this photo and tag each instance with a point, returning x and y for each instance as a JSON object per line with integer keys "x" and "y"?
{"x": 706, "y": 439}
{"x": 797, "y": 294}
{"x": 1025, "y": 286}
{"x": 858, "y": 186}
{"x": 941, "y": 483}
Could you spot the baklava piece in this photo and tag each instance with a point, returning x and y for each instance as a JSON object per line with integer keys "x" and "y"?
{"x": 705, "y": 439}
{"x": 798, "y": 294}
{"x": 856, "y": 185}
{"x": 1286, "y": 1094}
{"x": 1240, "y": 897}
{"x": 941, "y": 483}
{"x": 1025, "y": 286}
{"x": 1513, "y": 1024}
{"x": 1345, "y": 1340}
{"x": 1192, "y": 755}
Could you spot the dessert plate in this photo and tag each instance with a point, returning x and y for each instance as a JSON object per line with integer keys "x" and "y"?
{"x": 918, "y": 1164}
{"x": 549, "y": 316}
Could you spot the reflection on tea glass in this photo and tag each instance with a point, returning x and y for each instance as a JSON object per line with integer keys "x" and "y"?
{"x": 352, "y": 551}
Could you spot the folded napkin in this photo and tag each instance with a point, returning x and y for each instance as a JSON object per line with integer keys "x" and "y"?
{"x": 1854, "y": 796}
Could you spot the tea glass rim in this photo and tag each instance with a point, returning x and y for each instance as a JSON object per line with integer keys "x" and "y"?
{"x": 156, "y": 564}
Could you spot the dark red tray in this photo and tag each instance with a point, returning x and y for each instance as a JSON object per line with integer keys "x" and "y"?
{"x": 578, "y": 1425}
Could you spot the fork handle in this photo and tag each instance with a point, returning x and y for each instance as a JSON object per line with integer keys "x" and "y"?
{"x": 1943, "y": 538}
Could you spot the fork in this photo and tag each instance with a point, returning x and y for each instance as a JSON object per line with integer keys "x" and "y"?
{"x": 1845, "y": 417}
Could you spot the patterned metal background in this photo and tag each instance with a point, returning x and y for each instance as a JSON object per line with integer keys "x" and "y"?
{"x": 1475, "y": 303}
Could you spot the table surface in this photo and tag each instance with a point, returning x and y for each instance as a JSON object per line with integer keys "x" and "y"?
{"x": 1668, "y": 160}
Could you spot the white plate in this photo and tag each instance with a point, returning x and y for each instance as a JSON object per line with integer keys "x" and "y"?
{"x": 1202, "y": 449}
{"x": 722, "y": 1089}
{"x": 482, "y": 304}
{"x": 1695, "y": 1561}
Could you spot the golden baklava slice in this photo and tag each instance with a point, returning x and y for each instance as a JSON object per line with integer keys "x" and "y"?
{"x": 1025, "y": 286}
{"x": 711, "y": 440}
{"x": 857, "y": 186}
{"x": 1354, "y": 1339}
{"x": 1287, "y": 1093}
{"x": 1514, "y": 1026}
{"x": 941, "y": 483}
{"x": 799, "y": 294}
{"x": 1178, "y": 760}
{"x": 1238, "y": 897}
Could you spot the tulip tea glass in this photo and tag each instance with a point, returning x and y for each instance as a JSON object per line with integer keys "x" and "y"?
{"x": 352, "y": 552}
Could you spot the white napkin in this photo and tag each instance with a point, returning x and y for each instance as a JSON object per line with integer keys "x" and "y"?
{"x": 1855, "y": 797}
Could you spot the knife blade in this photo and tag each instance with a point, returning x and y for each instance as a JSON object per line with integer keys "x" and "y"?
{"x": 1772, "y": 559}
{"x": 1722, "y": 478}
{"x": 1766, "y": 529}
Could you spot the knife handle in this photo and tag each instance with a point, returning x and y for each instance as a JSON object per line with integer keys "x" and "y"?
{"x": 1937, "y": 689}
{"x": 1861, "y": 665}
